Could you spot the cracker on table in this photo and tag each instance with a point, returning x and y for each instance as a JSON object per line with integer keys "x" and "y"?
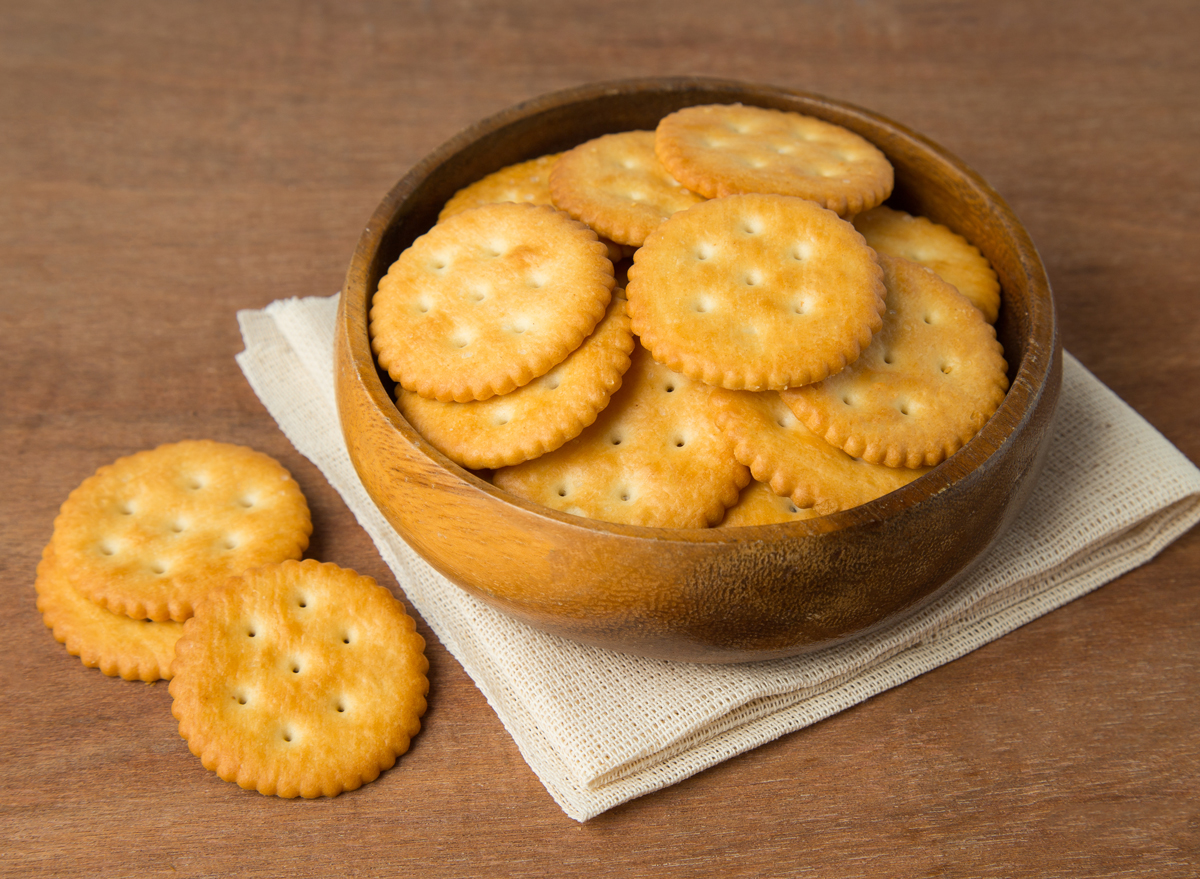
{"x": 488, "y": 300}
{"x": 937, "y": 247}
{"x": 723, "y": 149}
{"x": 136, "y": 650}
{"x": 150, "y": 534}
{"x": 537, "y": 417}
{"x": 759, "y": 505}
{"x": 527, "y": 182}
{"x": 654, "y": 457}
{"x": 796, "y": 463}
{"x": 926, "y": 384}
{"x": 299, "y": 679}
{"x": 616, "y": 185}
{"x": 755, "y": 292}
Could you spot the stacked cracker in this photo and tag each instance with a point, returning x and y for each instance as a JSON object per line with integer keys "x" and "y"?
{"x": 181, "y": 562}
{"x": 140, "y": 543}
{"x": 785, "y": 345}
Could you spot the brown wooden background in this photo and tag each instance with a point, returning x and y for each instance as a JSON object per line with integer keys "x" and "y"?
{"x": 164, "y": 164}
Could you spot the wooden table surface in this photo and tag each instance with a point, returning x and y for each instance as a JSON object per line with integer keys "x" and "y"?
{"x": 163, "y": 165}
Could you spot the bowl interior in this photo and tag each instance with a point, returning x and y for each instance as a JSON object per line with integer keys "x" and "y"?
{"x": 904, "y": 532}
{"x": 929, "y": 181}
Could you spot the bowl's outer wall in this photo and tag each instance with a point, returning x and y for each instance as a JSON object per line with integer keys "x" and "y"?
{"x": 712, "y": 595}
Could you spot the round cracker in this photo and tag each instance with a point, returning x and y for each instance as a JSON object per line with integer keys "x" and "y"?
{"x": 535, "y": 418}
{"x": 653, "y": 457}
{"x": 488, "y": 300}
{"x": 927, "y": 383}
{"x": 617, "y": 186}
{"x": 723, "y": 149}
{"x": 136, "y": 650}
{"x": 759, "y": 505}
{"x": 954, "y": 259}
{"x": 796, "y": 463}
{"x": 755, "y": 292}
{"x": 527, "y": 182}
{"x": 299, "y": 679}
{"x": 149, "y": 535}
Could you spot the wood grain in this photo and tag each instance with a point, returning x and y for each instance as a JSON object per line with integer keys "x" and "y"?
{"x": 164, "y": 165}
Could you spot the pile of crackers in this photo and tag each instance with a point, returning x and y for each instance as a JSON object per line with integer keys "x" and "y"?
{"x": 717, "y": 322}
{"x": 293, "y": 678}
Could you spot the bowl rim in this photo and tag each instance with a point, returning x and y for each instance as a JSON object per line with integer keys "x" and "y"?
{"x": 1028, "y": 382}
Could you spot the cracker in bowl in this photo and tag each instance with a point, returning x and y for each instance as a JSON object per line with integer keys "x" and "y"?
{"x": 796, "y": 463}
{"x": 755, "y": 292}
{"x": 617, "y": 186}
{"x": 937, "y": 247}
{"x": 653, "y": 457}
{"x": 488, "y": 300}
{"x": 725, "y": 149}
{"x": 527, "y": 182}
{"x": 759, "y": 505}
{"x": 537, "y": 417}
{"x": 927, "y": 383}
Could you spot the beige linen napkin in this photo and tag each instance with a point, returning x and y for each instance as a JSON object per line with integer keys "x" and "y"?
{"x": 601, "y": 728}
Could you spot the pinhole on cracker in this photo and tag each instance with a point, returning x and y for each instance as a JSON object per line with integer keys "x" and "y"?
{"x": 527, "y": 182}
{"x": 759, "y": 284}
{"x": 299, "y": 679}
{"x": 755, "y": 292}
{"x": 725, "y": 149}
{"x": 537, "y": 417}
{"x": 927, "y": 383}
{"x": 759, "y": 505}
{"x": 937, "y": 247}
{"x": 654, "y": 456}
{"x": 617, "y": 186}
{"x": 796, "y": 463}
{"x": 118, "y": 646}
{"x": 488, "y": 300}
{"x": 150, "y": 534}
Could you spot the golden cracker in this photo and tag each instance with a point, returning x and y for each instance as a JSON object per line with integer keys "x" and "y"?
{"x": 150, "y": 534}
{"x": 488, "y": 300}
{"x": 952, "y": 257}
{"x": 617, "y": 186}
{"x": 796, "y": 463}
{"x": 299, "y": 679}
{"x": 724, "y": 149}
{"x": 926, "y": 384}
{"x": 758, "y": 505}
{"x": 653, "y": 457}
{"x": 136, "y": 650}
{"x": 755, "y": 292}
{"x": 537, "y": 417}
{"x": 525, "y": 182}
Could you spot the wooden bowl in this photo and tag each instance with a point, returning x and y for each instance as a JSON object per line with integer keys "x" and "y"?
{"x": 719, "y": 594}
